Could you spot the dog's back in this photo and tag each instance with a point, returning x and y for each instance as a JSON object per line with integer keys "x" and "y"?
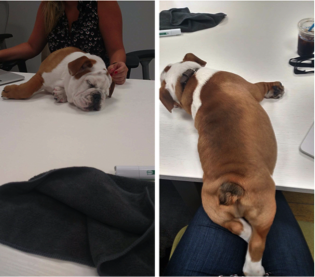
{"x": 237, "y": 148}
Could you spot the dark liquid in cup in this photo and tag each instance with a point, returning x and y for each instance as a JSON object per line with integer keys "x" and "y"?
{"x": 305, "y": 47}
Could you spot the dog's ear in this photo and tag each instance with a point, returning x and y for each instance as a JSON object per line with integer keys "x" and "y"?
{"x": 111, "y": 88}
{"x": 167, "y": 99}
{"x": 81, "y": 65}
{"x": 190, "y": 57}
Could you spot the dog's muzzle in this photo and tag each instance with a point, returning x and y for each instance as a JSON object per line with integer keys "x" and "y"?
{"x": 96, "y": 101}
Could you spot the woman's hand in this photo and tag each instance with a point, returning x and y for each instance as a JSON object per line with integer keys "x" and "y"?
{"x": 118, "y": 71}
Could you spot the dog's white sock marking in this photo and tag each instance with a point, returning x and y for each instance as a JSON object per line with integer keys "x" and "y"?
{"x": 247, "y": 230}
{"x": 252, "y": 268}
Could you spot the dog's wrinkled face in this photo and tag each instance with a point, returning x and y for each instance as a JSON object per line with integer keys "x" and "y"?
{"x": 90, "y": 83}
{"x": 170, "y": 77}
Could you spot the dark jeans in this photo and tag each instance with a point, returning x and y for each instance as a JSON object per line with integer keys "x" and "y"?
{"x": 209, "y": 249}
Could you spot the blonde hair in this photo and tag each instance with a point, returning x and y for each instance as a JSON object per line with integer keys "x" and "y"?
{"x": 52, "y": 12}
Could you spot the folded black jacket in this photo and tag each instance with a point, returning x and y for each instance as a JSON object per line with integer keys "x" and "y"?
{"x": 188, "y": 22}
{"x": 83, "y": 215}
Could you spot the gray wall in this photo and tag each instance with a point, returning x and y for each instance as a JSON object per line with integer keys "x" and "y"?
{"x": 138, "y": 28}
{"x": 138, "y": 22}
{"x": 22, "y": 17}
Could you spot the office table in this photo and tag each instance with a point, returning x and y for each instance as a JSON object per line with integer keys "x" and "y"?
{"x": 39, "y": 134}
{"x": 256, "y": 41}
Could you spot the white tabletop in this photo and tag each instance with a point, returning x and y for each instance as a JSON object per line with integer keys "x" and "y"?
{"x": 39, "y": 135}
{"x": 255, "y": 40}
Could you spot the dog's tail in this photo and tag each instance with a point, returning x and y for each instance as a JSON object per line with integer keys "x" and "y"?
{"x": 229, "y": 193}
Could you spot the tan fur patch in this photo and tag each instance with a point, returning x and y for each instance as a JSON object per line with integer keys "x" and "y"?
{"x": 25, "y": 90}
{"x": 166, "y": 98}
{"x": 256, "y": 245}
{"x": 55, "y": 58}
{"x": 81, "y": 73}
{"x": 111, "y": 89}
{"x": 167, "y": 68}
{"x": 178, "y": 90}
{"x": 80, "y": 66}
{"x": 187, "y": 94}
{"x": 192, "y": 58}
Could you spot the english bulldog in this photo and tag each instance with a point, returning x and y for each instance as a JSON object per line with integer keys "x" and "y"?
{"x": 71, "y": 75}
{"x": 237, "y": 148}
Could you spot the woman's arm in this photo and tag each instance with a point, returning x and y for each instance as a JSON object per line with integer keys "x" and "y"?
{"x": 110, "y": 24}
{"x": 33, "y": 46}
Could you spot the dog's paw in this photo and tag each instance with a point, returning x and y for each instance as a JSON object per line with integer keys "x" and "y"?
{"x": 254, "y": 271}
{"x": 10, "y": 92}
{"x": 59, "y": 95}
{"x": 251, "y": 268}
{"x": 276, "y": 91}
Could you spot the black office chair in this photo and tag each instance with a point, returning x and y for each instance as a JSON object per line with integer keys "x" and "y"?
{"x": 4, "y": 16}
{"x": 133, "y": 59}
{"x": 144, "y": 57}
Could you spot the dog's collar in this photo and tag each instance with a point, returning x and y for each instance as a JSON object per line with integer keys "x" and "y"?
{"x": 186, "y": 75}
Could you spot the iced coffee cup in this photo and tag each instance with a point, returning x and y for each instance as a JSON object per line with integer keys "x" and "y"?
{"x": 306, "y": 37}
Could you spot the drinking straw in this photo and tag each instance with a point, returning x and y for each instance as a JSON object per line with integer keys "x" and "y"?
{"x": 310, "y": 29}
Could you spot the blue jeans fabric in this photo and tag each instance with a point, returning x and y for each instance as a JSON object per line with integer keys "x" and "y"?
{"x": 207, "y": 249}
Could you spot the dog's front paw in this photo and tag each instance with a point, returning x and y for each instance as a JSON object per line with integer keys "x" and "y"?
{"x": 60, "y": 95}
{"x": 10, "y": 92}
{"x": 276, "y": 91}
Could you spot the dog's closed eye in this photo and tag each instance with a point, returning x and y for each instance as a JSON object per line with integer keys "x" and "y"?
{"x": 90, "y": 84}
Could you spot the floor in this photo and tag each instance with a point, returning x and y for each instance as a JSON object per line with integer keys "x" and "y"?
{"x": 302, "y": 206}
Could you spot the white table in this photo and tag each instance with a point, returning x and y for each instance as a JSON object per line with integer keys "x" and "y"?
{"x": 255, "y": 40}
{"x": 39, "y": 134}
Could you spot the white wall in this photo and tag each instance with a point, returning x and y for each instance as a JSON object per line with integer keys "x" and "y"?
{"x": 138, "y": 28}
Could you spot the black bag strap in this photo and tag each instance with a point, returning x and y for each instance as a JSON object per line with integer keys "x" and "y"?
{"x": 299, "y": 61}
{"x": 304, "y": 61}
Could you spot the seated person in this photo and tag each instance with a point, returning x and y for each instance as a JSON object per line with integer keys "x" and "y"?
{"x": 94, "y": 27}
{"x": 207, "y": 249}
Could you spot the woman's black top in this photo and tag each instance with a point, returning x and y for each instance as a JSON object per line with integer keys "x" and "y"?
{"x": 84, "y": 34}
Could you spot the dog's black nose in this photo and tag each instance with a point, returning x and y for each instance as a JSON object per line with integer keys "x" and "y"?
{"x": 96, "y": 97}
{"x": 96, "y": 100}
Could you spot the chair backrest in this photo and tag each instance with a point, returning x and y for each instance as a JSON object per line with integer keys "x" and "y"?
{"x": 4, "y": 16}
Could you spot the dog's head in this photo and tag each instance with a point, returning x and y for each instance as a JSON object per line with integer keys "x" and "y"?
{"x": 89, "y": 84}
{"x": 170, "y": 80}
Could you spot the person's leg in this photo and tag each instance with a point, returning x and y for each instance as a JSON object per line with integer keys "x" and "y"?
{"x": 208, "y": 249}
{"x": 286, "y": 253}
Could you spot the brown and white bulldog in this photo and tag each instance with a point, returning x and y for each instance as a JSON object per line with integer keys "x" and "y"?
{"x": 71, "y": 75}
{"x": 237, "y": 148}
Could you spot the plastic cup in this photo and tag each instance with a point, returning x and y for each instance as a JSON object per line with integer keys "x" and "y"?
{"x": 306, "y": 37}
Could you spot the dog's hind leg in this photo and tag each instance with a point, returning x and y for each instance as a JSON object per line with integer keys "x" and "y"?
{"x": 255, "y": 236}
{"x": 255, "y": 250}
{"x": 266, "y": 90}
{"x": 25, "y": 90}
{"x": 260, "y": 224}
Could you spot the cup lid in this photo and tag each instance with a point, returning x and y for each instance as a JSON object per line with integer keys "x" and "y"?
{"x": 305, "y": 24}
